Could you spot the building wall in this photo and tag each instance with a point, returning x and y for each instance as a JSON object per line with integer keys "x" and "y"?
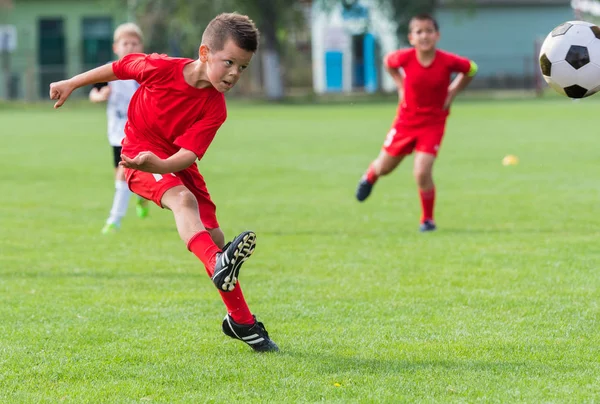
{"x": 25, "y": 15}
{"x": 502, "y": 40}
{"x": 330, "y": 31}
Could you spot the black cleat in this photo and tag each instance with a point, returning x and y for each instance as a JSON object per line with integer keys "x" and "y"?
{"x": 427, "y": 225}
{"x": 363, "y": 190}
{"x": 255, "y": 335}
{"x": 229, "y": 262}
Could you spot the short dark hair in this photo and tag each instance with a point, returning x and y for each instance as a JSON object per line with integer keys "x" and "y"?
{"x": 424, "y": 17}
{"x": 237, "y": 27}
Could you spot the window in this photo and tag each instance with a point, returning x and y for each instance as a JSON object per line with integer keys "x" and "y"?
{"x": 96, "y": 41}
{"x": 51, "y": 52}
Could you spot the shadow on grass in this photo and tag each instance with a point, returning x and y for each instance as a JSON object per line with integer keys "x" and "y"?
{"x": 336, "y": 364}
{"x": 459, "y": 230}
{"x": 412, "y": 231}
{"x": 105, "y": 274}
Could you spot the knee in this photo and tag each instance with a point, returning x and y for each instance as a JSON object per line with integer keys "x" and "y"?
{"x": 422, "y": 177}
{"x": 184, "y": 200}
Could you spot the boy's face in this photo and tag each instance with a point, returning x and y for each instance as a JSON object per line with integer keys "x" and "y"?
{"x": 225, "y": 67}
{"x": 423, "y": 35}
{"x": 127, "y": 44}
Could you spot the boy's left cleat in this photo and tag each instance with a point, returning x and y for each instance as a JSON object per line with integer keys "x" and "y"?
{"x": 141, "y": 208}
{"x": 229, "y": 262}
{"x": 427, "y": 225}
{"x": 255, "y": 335}
{"x": 363, "y": 190}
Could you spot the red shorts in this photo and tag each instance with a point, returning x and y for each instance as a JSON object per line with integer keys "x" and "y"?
{"x": 153, "y": 187}
{"x": 404, "y": 139}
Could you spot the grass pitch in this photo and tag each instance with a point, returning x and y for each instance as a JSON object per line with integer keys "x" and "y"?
{"x": 500, "y": 305}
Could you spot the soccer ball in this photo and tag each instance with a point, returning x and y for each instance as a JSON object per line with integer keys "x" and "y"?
{"x": 570, "y": 59}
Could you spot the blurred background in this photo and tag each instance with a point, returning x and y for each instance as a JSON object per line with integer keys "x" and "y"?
{"x": 308, "y": 47}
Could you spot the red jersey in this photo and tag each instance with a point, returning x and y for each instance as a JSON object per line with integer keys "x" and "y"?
{"x": 425, "y": 88}
{"x": 166, "y": 113}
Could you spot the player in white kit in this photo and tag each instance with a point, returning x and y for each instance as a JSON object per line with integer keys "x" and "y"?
{"x": 127, "y": 39}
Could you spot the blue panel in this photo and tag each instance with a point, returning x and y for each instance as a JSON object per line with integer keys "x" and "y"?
{"x": 357, "y": 11}
{"x": 370, "y": 63}
{"x": 358, "y": 71}
{"x": 334, "y": 71}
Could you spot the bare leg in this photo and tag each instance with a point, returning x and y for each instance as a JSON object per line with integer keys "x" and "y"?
{"x": 423, "y": 170}
{"x": 120, "y": 202}
{"x": 184, "y": 206}
{"x": 119, "y": 173}
{"x": 382, "y": 165}
{"x": 217, "y": 236}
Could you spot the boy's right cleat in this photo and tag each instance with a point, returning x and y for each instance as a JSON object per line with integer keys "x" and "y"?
{"x": 363, "y": 190}
{"x": 427, "y": 225}
{"x": 110, "y": 228}
{"x": 255, "y": 335}
{"x": 229, "y": 262}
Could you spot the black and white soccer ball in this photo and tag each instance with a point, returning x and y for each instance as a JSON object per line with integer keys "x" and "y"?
{"x": 570, "y": 59}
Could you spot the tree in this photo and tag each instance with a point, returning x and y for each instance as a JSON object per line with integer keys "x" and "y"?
{"x": 176, "y": 26}
{"x": 401, "y": 10}
{"x": 274, "y": 18}
{"x": 173, "y": 26}
{"x": 268, "y": 13}
{"x": 4, "y": 52}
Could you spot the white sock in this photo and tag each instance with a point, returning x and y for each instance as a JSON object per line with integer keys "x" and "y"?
{"x": 120, "y": 202}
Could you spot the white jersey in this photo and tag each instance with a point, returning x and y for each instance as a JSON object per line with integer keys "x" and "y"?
{"x": 121, "y": 92}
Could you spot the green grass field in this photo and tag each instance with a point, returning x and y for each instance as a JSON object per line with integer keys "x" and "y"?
{"x": 500, "y": 305}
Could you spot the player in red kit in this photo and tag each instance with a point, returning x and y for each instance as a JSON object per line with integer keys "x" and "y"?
{"x": 172, "y": 119}
{"x": 422, "y": 74}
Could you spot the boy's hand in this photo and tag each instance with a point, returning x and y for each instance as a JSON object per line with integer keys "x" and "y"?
{"x": 99, "y": 95}
{"x": 145, "y": 161}
{"x": 60, "y": 91}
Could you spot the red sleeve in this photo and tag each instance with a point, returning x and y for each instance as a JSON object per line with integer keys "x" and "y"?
{"x": 396, "y": 59}
{"x": 137, "y": 66}
{"x": 458, "y": 64}
{"x": 200, "y": 135}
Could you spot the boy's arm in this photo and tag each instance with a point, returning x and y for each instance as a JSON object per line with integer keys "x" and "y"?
{"x": 398, "y": 78}
{"x": 61, "y": 90}
{"x": 395, "y": 73}
{"x": 393, "y": 63}
{"x": 461, "y": 81}
{"x": 151, "y": 163}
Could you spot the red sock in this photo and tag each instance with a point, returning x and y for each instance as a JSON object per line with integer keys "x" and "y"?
{"x": 427, "y": 202}
{"x": 371, "y": 175}
{"x": 236, "y": 305}
{"x": 203, "y": 247}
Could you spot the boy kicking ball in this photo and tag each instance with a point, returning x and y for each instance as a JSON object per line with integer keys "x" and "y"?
{"x": 172, "y": 120}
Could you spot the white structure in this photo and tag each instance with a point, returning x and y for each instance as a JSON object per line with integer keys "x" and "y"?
{"x": 586, "y": 6}
{"x": 348, "y": 45}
